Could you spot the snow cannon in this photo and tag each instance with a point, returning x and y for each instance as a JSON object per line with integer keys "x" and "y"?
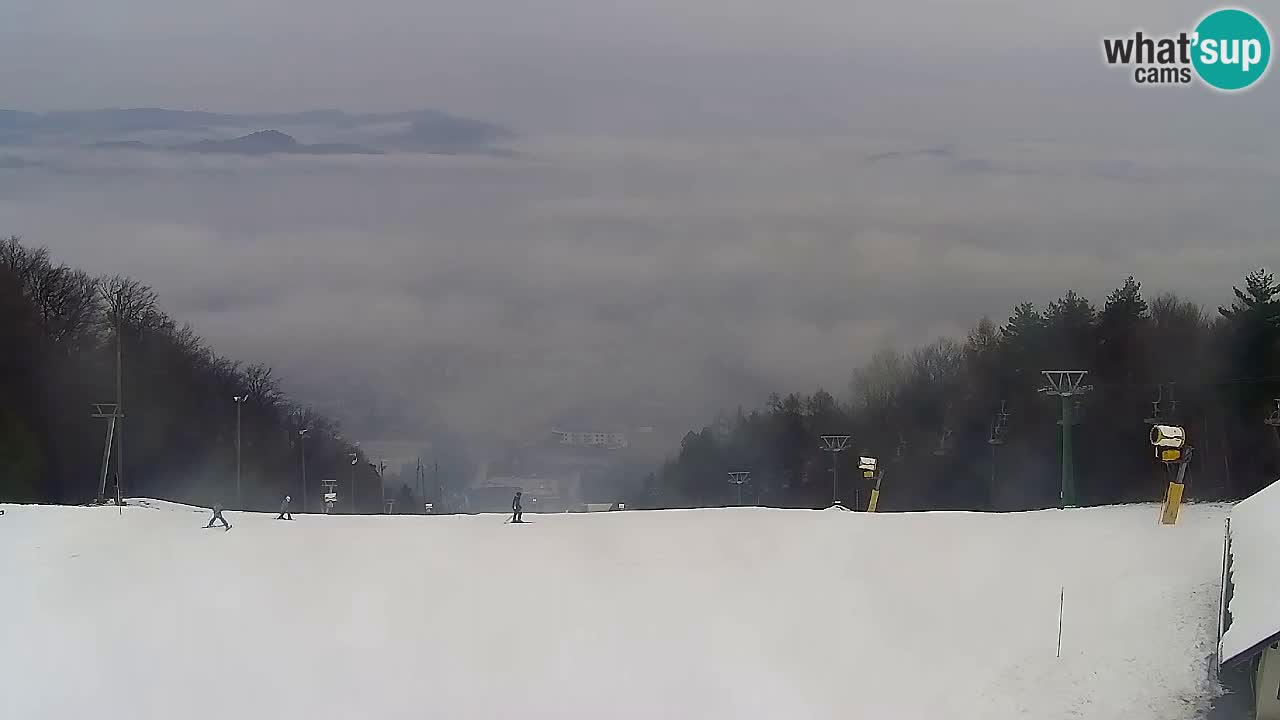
{"x": 870, "y": 468}
{"x": 1168, "y": 437}
{"x": 1170, "y": 442}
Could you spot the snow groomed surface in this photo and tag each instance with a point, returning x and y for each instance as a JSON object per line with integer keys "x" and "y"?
{"x": 738, "y": 613}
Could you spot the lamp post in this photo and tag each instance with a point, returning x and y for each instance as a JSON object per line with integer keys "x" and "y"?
{"x": 239, "y": 400}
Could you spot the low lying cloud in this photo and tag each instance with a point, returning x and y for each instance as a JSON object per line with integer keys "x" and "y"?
{"x": 640, "y": 281}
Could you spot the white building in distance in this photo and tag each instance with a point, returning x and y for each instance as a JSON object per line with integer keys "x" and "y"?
{"x": 607, "y": 440}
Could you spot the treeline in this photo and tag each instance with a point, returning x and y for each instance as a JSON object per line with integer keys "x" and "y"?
{"x": 60, "y": 330}
{"x": 930, "y": 415}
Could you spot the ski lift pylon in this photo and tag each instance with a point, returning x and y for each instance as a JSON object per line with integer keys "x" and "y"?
{"x": 1164, "y": 410}
{"x": 1157, "y": 410}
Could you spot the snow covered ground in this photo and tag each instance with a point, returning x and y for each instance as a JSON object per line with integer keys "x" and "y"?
{"x": 738, "y": 613}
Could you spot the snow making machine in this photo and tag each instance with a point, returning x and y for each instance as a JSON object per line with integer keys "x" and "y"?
{"x": 871, "y": 469}
{"x": 1170, "y": 442}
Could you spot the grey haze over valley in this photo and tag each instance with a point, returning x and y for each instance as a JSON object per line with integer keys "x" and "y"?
{"x": 637, "y": 217}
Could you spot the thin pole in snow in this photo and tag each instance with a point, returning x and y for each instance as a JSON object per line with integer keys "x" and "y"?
{"x": 1222, "y": 588}
{"x": 1062, "y": 596}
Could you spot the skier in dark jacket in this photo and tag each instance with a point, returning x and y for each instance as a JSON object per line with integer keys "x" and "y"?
{"x": 284, "y": 509}
{"x": 217, "y": 517}
{"x": 516, "y": 511}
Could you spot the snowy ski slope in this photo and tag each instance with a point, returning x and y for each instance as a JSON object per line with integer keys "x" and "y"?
{"x": 738, "y": 613}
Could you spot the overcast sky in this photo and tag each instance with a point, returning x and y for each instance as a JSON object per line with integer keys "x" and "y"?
{"x": 713, "y": 199}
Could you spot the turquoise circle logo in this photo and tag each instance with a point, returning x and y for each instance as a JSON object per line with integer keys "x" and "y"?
{"x": 1232, "y": 49}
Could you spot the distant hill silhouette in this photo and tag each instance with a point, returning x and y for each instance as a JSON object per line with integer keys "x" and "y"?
{"x": 13, "y": 162}
{"x": 121, "y": 145}
{"x": 161, "y": 119}
{"x": 266, "y": 142}
{"x": 418, "y": 130}
{"x": 433, "y": 131}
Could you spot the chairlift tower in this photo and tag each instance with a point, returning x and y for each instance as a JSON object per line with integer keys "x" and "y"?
{"x": 1159, "y": 414}
{"x": 111, "y": 412}
{"x": 835, "y": 444}
{"x": 738, "y": 479}
{"x": 1067, "y": 385}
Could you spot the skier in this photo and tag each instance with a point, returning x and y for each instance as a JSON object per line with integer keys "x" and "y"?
{"x": 284, "y": 509}
{"x": 217, "y": 517}
{"x": 516, "y": 510}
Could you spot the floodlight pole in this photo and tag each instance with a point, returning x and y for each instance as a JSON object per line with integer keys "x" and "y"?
{"x": 739, "y": 478}
{"x": 119, "y": 409}
{"x": 355, "y": 458}
{"x": 239, "y": 400}
{"x": 382, "y": 468}
{"x": 302, "y": 451}
{"x": 1066, "y": 384}
{"x": 835, "y": 444}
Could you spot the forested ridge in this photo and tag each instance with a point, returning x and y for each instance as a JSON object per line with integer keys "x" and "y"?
{"x": 59, "y": 329}
{"x": 930, "y": 414}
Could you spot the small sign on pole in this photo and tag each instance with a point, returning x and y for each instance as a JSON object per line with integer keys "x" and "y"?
{"x": 330, "y": 494}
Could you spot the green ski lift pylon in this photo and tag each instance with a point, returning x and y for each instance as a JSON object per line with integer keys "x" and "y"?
{"x": 1068, "y": 386}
